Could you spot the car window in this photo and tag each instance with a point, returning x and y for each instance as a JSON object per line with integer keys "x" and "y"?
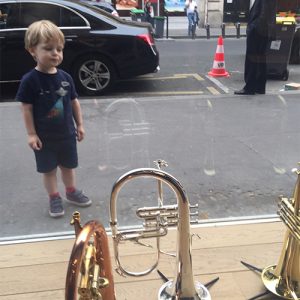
{"x": 9, "y": 15}
{"x": 70, "y": 19}
{"x": 31, "y": 12}
{"x": 61, "y": 16}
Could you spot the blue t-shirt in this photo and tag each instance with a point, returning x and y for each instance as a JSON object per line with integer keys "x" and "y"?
{"x": 50, "y": 96}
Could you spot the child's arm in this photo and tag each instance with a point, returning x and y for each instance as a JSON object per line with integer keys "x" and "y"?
{"x": 78, "y": 119}
{"x": 33, "y": 140}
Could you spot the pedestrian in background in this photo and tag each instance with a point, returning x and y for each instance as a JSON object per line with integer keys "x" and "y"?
{"x": 195, "y": 22}
{"x": 260, "y": 30}
{"x": 149, "y": 13}
{"x": 50, "y": 107}
{"x": 190, "y": 12}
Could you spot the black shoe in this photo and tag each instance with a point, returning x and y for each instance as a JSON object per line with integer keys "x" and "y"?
{"x": 243, "y": 92}
{"x": 262, "y": 92}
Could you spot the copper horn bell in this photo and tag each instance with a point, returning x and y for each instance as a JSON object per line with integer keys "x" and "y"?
{"x": 89, "y": 274}
{"x": 156, "y": 222}
{"x": 283, "y": 279}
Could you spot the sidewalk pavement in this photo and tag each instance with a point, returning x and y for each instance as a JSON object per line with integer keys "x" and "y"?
{"x": 177, "y": 27}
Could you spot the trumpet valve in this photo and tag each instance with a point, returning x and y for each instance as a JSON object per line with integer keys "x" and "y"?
{"x": 166, "y": 215}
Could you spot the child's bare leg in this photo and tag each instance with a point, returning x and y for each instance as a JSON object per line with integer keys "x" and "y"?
{"x": 50, "y": 182}
{"x": 68, "y": 177}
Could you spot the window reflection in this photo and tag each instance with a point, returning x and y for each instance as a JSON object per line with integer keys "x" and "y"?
{"x": 233, "y": 160}
{"x": 125, "y": 133}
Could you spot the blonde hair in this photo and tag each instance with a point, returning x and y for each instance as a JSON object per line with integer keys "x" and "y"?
{"x": 42, "y": 31}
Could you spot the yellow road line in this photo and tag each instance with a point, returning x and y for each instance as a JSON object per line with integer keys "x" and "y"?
{"x": 213, "y": 90}
{"x": 174, "y": 76}
{"x": 195, "y": 75}
{"x": 171, "y": 93}
{"x": 198, "y": 77}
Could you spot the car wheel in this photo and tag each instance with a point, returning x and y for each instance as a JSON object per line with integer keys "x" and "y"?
{"x": 93, "y": 75}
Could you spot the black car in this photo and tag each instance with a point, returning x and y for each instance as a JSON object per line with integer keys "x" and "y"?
{"x": 99, "y": 49}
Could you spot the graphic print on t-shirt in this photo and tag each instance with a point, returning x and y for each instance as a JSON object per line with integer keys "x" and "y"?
{"x": 57, "y": 111}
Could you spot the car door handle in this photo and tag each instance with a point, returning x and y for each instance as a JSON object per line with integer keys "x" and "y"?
{"x": 70, "y": 38}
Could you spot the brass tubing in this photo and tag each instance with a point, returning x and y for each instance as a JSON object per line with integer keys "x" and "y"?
{"x": 183, "y": 286}
{"x": 285, "y": 211}
{"x": 283, "y": 279}
{"x": 287, "y": 215}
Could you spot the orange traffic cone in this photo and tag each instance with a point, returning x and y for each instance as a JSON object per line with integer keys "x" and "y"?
{"x": 218, "y": 68}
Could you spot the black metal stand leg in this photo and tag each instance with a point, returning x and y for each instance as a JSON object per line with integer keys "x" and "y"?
{"x": 259, "y": 295}
{"x": 162, "y": 276}
{"x": 210, "y": 283}
{"x": 253, "y": 268}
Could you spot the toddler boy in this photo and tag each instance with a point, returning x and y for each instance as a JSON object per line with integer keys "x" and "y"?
{"x": 50, "y": 107}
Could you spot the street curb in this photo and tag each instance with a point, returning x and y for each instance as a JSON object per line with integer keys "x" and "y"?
{"x": 178, "y": 37}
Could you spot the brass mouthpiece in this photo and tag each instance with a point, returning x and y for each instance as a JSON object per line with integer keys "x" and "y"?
{"x": 76, "y": 222}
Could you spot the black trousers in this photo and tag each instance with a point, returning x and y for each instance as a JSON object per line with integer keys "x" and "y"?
{"x": 255, "y": 73}
{"x": 295, "y": 51}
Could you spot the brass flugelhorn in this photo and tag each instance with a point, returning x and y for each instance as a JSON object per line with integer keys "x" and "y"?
{"x": 283, "y": 279}
{"x": 89, "y": 274}
{"x": 183, "y": 285}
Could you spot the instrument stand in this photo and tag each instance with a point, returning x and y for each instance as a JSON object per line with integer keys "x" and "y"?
{"x": 207, "y": 285}
{"x": 255, "y": 269}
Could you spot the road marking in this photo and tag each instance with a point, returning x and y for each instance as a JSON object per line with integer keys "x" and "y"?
{"x": 195, "y": 75}
{"x": 174, "y": 76}
{"x": 218, "y": 84}
{"x": 213, "y": 90}
{"x": 209, "y": 104}
{"x": 282, "y": 100}
{"x": 171, "y": 93}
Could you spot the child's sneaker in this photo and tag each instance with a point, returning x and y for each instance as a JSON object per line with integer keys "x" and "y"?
{"x": 56, "y": 207}
{"x": 78, "y": 198}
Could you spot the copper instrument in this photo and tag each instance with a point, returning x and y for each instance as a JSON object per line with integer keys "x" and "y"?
{"x": 89, "y": 275}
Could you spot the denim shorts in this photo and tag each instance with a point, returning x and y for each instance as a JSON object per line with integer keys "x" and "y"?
{"x": 57, "y": 153}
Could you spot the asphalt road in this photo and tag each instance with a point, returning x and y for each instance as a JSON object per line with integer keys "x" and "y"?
{"x": 233, "y": 155}
{"x": 184, "y": 67}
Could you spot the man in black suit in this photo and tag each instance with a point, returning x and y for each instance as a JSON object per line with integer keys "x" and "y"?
{"x": 260, "y": 28}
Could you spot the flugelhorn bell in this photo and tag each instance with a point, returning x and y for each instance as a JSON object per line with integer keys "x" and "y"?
{"x": 183, "y": 285}
{"x": 89, "y": 274}
{"x": 283, "y": 279}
